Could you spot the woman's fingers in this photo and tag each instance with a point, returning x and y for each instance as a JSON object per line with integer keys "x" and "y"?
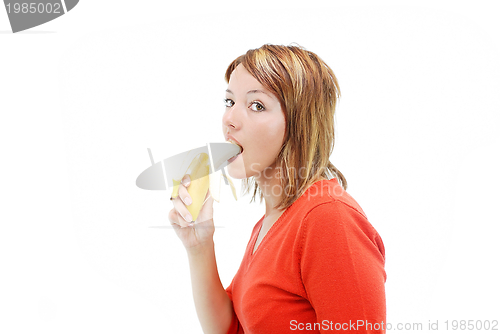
{"x": 186, "y": 180}
{"x": 180, "y": 214}
{"x": 172, "y": 217}
{"x": 183, "y": 193}
{"x": 176, "y": 219}
{"x": 182, "y": 210}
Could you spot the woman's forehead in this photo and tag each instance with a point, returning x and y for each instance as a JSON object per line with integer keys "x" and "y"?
{"x": 244, "y": 82}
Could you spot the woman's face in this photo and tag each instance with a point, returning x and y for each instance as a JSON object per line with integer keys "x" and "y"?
{"x": 255, "y": 120}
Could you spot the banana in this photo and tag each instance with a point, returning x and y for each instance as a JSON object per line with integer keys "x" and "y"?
{"x": 168, "y": 172}
{"x": 201, "y": 182}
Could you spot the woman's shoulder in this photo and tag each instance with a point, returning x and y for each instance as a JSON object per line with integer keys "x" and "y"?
{"x": 327, "y": 194}
{"x": 326, "y": 208}
{"x": 327, "y": 218}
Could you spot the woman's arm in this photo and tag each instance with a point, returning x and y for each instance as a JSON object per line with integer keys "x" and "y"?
{"x": 213, "y": 306}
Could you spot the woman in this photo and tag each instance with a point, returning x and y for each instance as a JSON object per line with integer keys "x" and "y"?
{"x": 313, "y": 261}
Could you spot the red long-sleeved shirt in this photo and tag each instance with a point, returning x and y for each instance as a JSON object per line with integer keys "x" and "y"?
{"x": 320, "y": 269}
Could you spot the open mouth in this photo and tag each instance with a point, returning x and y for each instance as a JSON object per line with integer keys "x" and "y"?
{"x": 241, "y": 149}
{"x": 235, "y": 143}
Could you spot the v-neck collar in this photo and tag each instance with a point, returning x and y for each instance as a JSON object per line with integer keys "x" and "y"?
{"x": 276, "y": 224}
{"x": 261, "y": 222}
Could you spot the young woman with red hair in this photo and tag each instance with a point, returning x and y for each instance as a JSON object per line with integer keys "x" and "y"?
{"x": 313, "y": 261}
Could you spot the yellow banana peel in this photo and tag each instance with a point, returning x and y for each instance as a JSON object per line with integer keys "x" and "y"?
{"x": 202, "y": 181}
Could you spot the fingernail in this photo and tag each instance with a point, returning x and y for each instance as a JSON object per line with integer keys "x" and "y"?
{"x": 189, "y": 218}
{"x": 191, "y": 225}
{"x": 187, "y": 200}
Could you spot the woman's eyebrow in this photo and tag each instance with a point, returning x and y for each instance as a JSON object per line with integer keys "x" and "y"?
{"x": 253, "y": 91}
{"x": 258, "y": 91}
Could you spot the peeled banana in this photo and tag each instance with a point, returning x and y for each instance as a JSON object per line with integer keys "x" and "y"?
{"x": 201, "y": 182}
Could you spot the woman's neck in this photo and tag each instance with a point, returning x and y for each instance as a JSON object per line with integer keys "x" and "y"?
{"x": 269, "y": 184}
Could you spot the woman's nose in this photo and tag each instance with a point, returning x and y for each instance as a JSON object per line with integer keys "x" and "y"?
{"x": 230, "y": 119}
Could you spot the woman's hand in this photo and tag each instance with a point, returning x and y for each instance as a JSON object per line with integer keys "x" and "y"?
{"x": 192, "y": 234}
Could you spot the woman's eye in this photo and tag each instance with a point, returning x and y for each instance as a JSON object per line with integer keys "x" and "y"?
{"x": 256, "y": 106}
{"x": 229, "y": 103}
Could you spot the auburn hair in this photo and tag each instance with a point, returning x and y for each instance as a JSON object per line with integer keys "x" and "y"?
{"x": 308, "y": 92}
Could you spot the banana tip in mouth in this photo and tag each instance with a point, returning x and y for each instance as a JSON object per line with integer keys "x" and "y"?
{"x": 241, "y": 148}
{"x": 241, "y": 151}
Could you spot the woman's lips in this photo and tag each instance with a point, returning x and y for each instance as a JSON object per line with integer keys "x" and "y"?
{"x": 236, "y": 156}
{"x": 233, "y": 158}
{"x": 231, "y": 140}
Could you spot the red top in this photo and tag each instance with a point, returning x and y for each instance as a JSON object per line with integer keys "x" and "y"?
{"x": 320, "y": 267}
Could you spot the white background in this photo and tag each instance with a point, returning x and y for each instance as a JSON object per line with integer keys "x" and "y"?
{"x": 83, "y": 96}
